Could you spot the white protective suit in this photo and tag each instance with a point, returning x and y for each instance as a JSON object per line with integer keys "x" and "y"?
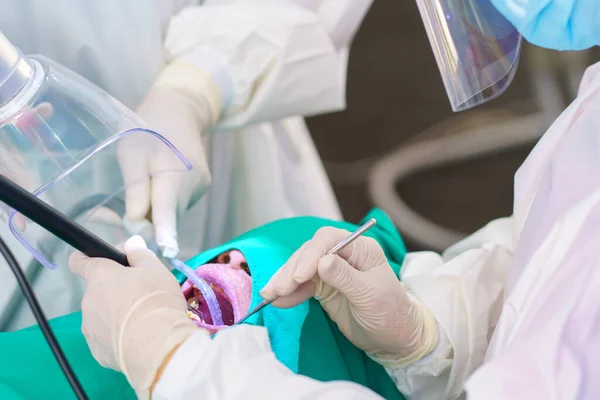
{"x": 274, "y": 61}
{"x": 519, "y": 295}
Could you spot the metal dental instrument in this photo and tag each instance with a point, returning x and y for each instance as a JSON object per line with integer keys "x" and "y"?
{"x": 359, "y": 232}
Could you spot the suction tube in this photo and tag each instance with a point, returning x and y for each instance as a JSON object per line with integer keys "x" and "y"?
{"x": 209, "y": 295}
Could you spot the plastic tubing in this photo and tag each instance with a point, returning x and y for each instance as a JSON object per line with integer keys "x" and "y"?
{"x": 209, "y": 295}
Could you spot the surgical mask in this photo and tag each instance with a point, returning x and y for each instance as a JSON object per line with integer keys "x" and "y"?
{"x": 476, "y": 49}
{"x": 61, "y": 138}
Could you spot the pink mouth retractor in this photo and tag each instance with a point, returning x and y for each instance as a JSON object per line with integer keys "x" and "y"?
{"x": 229, "y": 279}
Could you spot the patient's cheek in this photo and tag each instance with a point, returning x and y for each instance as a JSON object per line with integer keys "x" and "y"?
{"x": 230, "y": 281}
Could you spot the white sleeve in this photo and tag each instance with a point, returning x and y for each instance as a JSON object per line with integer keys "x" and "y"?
{"x": 272, "y": 59}
{"x": 239, "y": 364}
{"x": 464, "y": 289}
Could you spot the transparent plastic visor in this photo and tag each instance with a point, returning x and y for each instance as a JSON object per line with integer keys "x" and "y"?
{"x": 99, "y": 210}
{"x": 68, "y": 142}
{"x": 477, "y": 50}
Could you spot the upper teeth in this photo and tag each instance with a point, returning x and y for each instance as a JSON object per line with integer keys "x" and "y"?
{"x": 193, "y": 302}
{"x": 216, "y": 288}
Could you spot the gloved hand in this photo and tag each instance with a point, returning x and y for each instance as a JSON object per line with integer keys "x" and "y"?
{"x": 182, "y": 105}
{"x": 361, "y": 294}
{"x": 132, "y": 318}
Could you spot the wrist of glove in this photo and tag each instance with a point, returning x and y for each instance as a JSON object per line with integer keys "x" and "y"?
{"x": 132, "y": 318}
{"x": 140, "y": 356}
{"x": 424, "y": 339}
{"x": 361, "y": 294}
{"x": 192, "y": 88}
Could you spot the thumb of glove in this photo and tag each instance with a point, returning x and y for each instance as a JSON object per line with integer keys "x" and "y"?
{"x": 138, "y": 254}
{"x": 341, "y": 276}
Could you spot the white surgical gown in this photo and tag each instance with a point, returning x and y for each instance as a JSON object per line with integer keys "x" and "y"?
{"x": 274, "y": 60}
{"x": 520, "y": 296}
{"x": 517, "y": 302}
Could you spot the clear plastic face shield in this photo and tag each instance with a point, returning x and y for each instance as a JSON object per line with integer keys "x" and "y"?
{"x": 62, "y": 138}
{"x": 476, "y": 49}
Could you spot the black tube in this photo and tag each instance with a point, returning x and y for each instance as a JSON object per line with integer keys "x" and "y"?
{"x": 57, "y": 223}
{"x": 34, "y": 268}
{"x": 42, "y": 321}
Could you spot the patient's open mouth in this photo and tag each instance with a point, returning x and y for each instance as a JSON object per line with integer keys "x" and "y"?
{"x": 200, "y": 308}
{"x": 232, "y": 287}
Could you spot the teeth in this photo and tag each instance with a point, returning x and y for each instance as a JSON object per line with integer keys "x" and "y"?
{"x": 193, "y": 302}
{"x": 216, "y": 288}
{"x": 195, "y": 317}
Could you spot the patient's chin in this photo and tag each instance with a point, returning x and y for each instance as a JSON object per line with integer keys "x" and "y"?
{"x": 232, "y": 285}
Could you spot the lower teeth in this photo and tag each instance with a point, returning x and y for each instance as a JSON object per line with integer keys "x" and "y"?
{"x": 195, "y": 317}
{"x": 194, "y": 303}
{"x": 197, "y": 299}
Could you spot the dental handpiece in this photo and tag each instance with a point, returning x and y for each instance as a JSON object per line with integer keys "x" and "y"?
{"x": 353, "y": 236}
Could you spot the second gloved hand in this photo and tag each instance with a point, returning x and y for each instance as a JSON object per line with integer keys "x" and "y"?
{"x": 182, "y": 105}
{"x": 133, "y": 318}
{"x": 360, "y": 292}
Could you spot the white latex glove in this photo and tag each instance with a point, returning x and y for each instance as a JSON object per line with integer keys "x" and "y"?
{"x": 133, "y": 319}
{"x": 182, "y": 105}
{"x": 361, "y": 294}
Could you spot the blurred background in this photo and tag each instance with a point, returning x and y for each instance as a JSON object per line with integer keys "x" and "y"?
{"x": 397, "y": 110}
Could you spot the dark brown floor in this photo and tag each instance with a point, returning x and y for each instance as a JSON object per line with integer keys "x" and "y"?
{"x": 394, "y": 92}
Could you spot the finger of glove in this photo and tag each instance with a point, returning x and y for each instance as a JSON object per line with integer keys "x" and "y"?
{"x": 78, "y": 263}
{"x": 281, "y": 283}
{"x": 87, "y": 267}
{"x": 20, "y": 222}
{"x": 165, "y": 191}
{"x": 136, "y": 176}
{"x": 32, "y": 118}
{"x": 322, "y": 242}
{"x": 138, "y": 254}
{"x": 302, "y": 293}
{"x": 45, "y": 110}
{"x": 337, "y": 273}
{"x": 268, "y": 292}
